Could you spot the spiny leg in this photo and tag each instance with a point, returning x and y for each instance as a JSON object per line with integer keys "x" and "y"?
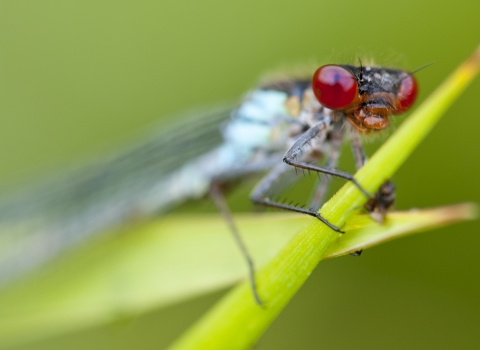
{"x": 357, "y": 150}
{"x": 260, "y": 196}
{"x": 360, "y": 159}
{"x": 322, "y": 186}
{"x": 383, "y": 200}
{"x": 292, "y": 155}
{"x": 219, "y": 200}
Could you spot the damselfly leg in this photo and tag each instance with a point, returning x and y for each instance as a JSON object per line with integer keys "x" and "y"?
{"x": 294, "y": 158}
{"x": 260, "y": 196}
{"x": 323, "y": 184}
{"x": 292, "y": 155}
{"x": 219, "y": 200}
{"x": 383, "y": 199}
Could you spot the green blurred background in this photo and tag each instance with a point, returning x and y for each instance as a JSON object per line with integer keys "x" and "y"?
{"x": 77, "y": 77}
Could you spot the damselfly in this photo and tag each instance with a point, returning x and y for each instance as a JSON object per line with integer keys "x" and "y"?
{"x": 285, "y": 123}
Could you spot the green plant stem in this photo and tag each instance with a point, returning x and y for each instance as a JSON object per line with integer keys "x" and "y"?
{"x": 236, "y": 322}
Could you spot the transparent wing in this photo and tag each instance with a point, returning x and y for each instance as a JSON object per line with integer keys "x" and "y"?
{"x": 39, "y": 221}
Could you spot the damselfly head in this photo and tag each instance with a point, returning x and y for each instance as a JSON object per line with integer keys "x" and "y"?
{"x": 367, "y": 95}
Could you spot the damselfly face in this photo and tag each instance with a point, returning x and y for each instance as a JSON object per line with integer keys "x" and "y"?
{"x": 367, "y": 95}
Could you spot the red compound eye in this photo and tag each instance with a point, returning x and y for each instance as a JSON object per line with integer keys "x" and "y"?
{"x": 335, "y": 87}
{"x": 406, "y": 94}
